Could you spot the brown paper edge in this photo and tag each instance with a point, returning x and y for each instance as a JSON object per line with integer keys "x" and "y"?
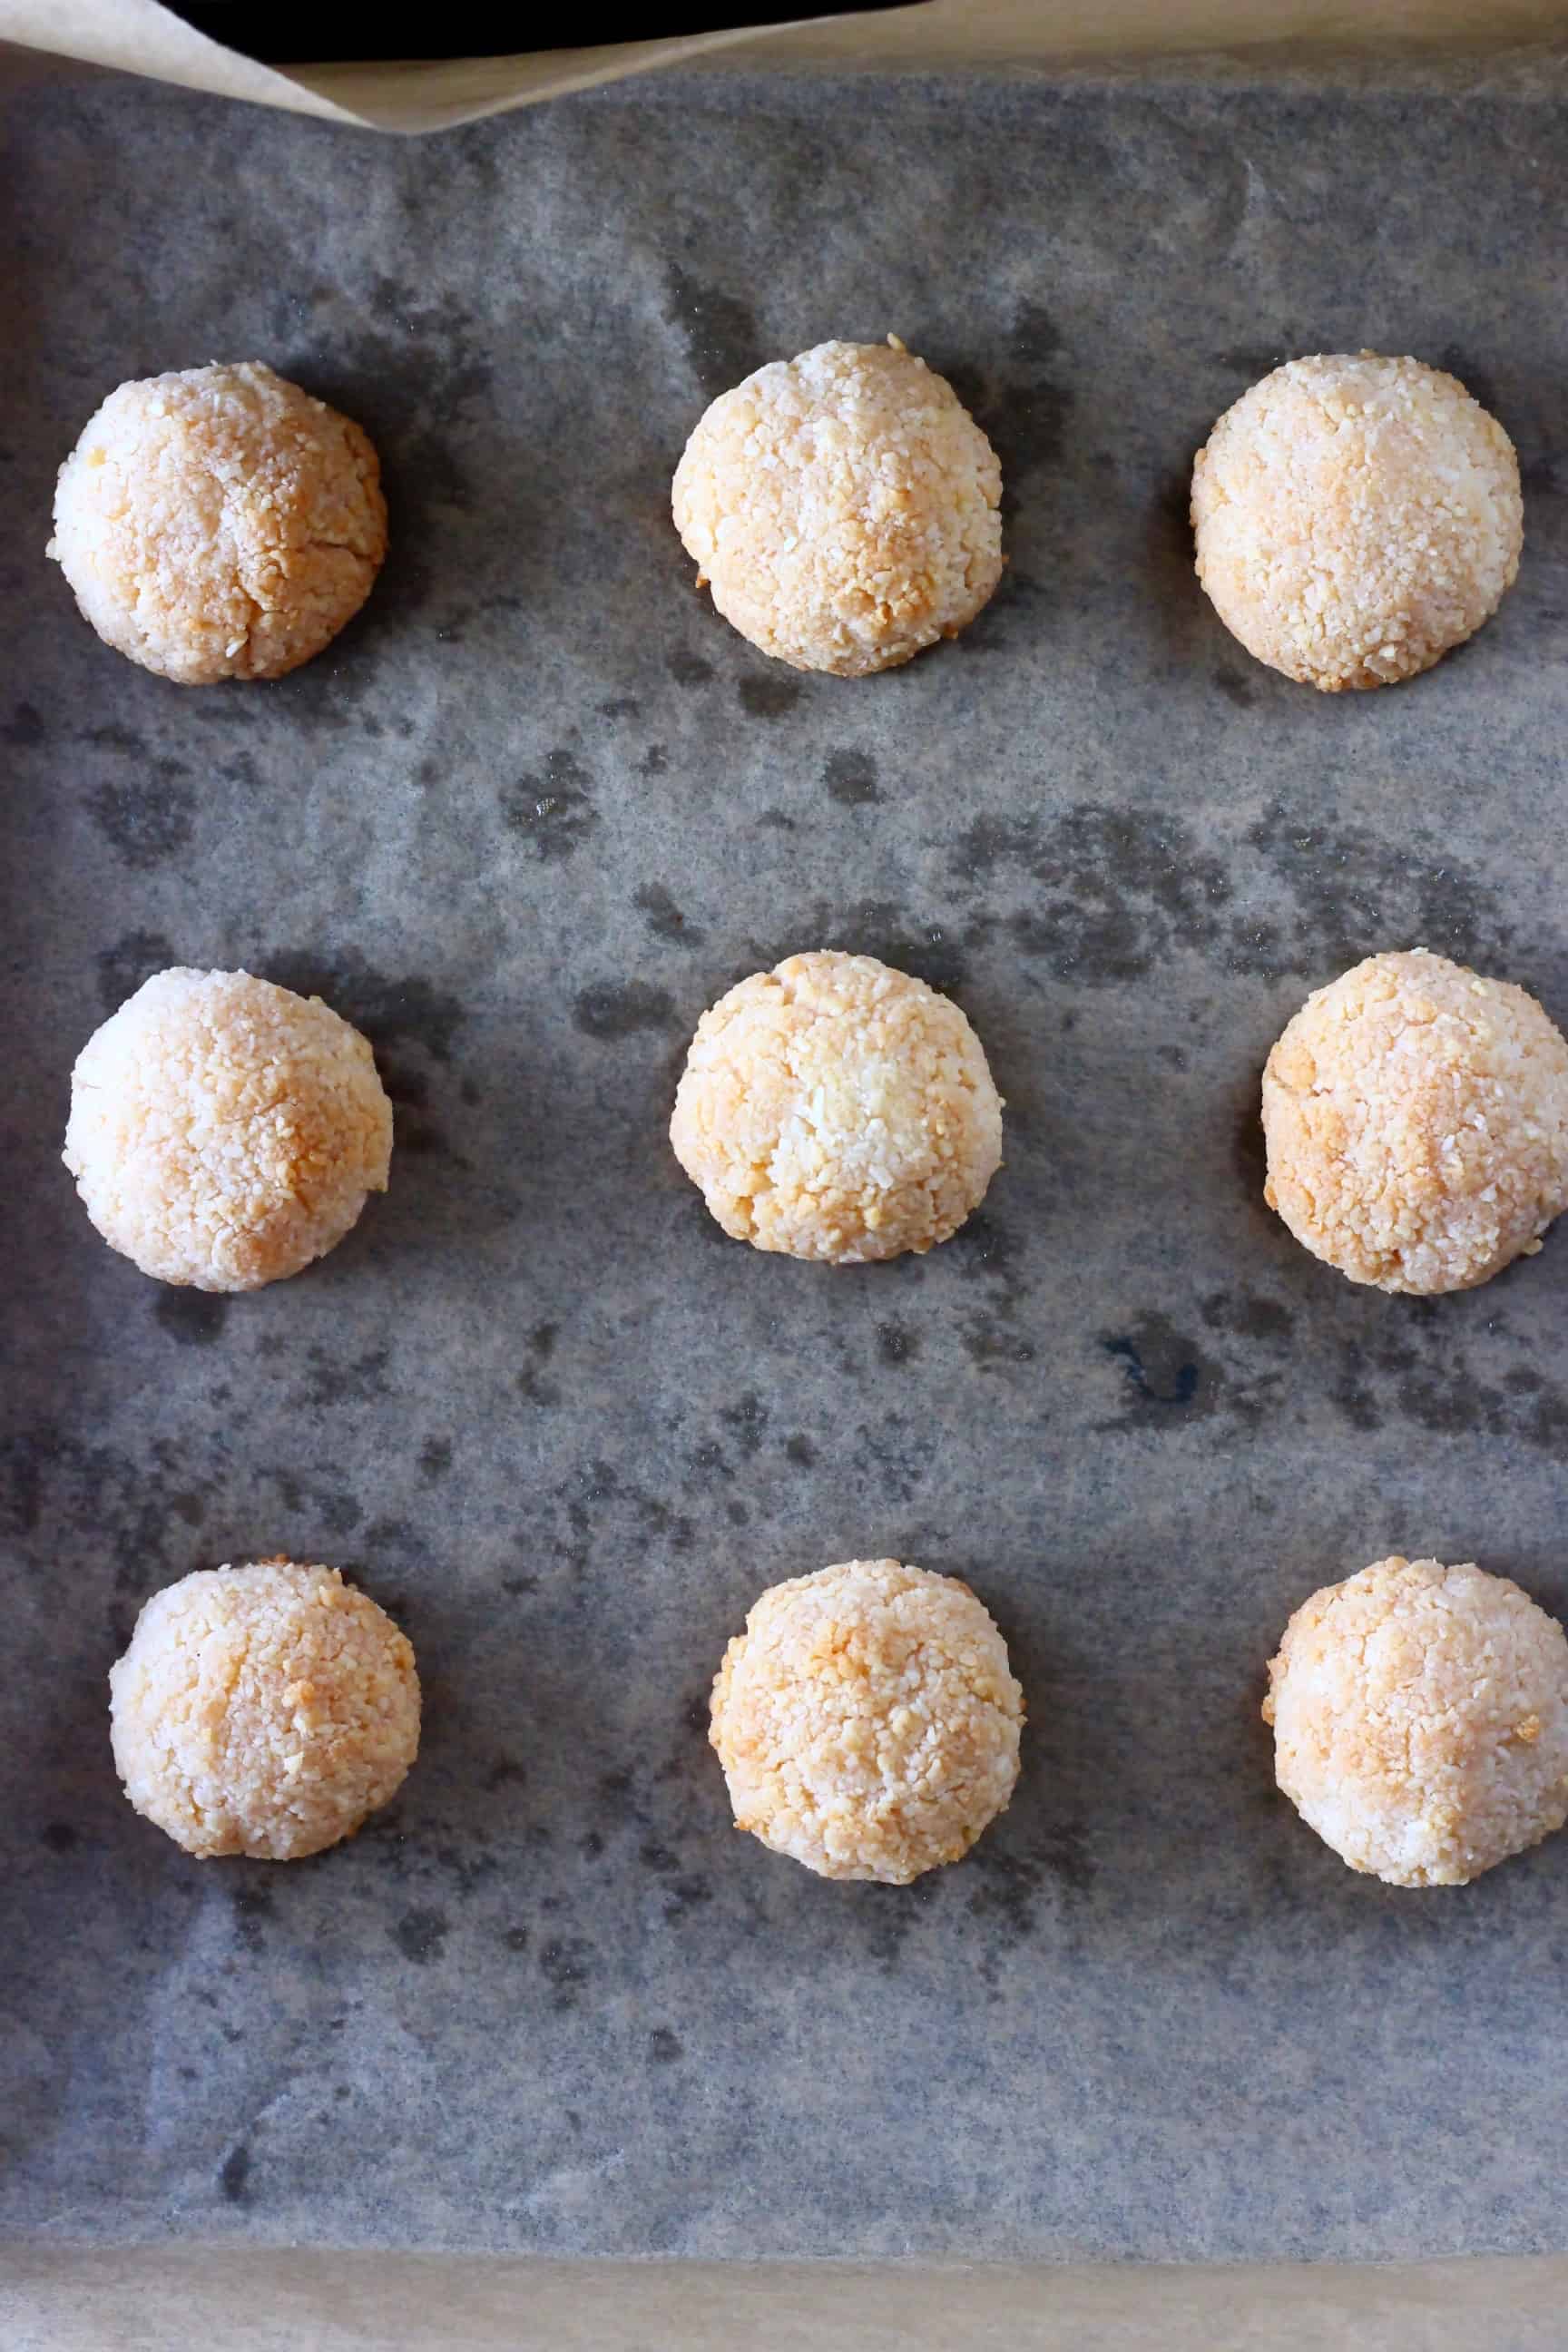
{"x": 56, "y": 2299}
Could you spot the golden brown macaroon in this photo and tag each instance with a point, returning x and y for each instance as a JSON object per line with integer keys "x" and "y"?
{"x": 1357, "y": 517}
{"x": 219, "y": 522}
{"x": 867, "y": 1721}
{"x": 225, "y": 1132}
{"x": 844, "y": 508}
{"x": 1416, "y": 1118}
{"x": 835, "y": 1109}
{"x": 263, "y": 1710}
{"x": 1420, "y": 1718}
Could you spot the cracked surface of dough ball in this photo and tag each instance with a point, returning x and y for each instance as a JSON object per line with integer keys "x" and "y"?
{"x": 223, "y": 1132}
{"x": 843, "y": 506}
{"x": 219, "y": 522}
{"x": 867, "y": 1721}
{"x": 835, "y": 1108}
{"x": 1420, "y": 1717}
{"x": 263, "y": 1710}
{"x": 1356, "y": 518}
{"x": 1416, "y": 1119}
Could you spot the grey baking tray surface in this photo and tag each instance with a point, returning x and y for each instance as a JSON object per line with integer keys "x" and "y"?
{"x": 528, "y": 817}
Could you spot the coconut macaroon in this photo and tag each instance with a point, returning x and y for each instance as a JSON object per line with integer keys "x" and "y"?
{"x": 835, "y": 1109}
{"x": 219, "y": 523}
{"x": 1416, "y": 1124}
{"x": 1356, "y": 518}
{"x": 867, "y": 1721}
{"x": 1420, "y": 1717}
{"x": 843, "y": 506}
{"x": 225, "y": 1132}
{"x": 263, "y": 1710}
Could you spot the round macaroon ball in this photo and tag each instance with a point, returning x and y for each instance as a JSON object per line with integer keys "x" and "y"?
{"x": 225, "y": 1132}
{"x": 1356, "y": 518}
{"x": 263, "y": 1710}
{"x": 1416, "y": 1119}
{"x": 1420, "y": 1717}
{"x": 843, "y": 506}
{"x": 219, "y": 522}
{"x": 835, "y": 1109}
{"x": 867, "y": 1721}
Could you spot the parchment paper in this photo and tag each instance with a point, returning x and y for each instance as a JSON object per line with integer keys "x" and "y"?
{"x": 537, "y": 808}
{"x": 1454, "y": 38}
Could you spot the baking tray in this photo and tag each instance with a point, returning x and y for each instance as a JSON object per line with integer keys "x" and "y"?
{"x": 534, "y": 810}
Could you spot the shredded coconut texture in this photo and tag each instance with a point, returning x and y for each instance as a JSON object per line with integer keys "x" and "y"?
{"x": 835, "y": 1108}
{"x": 1416, "y": 1124}
{"x": 1420, "y": 1719}
{"x": 225, "y": 1132}
{"x": 867, "y": 1720}
{"x": 263, "y": 1710}
{"x": 1357, "y": 517}
{"x": 843, "y": 506}
{"x": 219, "y": 523}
